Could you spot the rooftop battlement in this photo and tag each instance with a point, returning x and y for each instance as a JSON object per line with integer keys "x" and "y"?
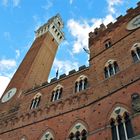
{"x": 54, "y": 80}
{"x": 103, "y": 29}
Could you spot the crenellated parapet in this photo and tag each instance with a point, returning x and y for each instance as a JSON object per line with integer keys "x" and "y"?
{"x": 54, "y": 26}
{"x": 55, "y": 80}
{"x": 102, "y": 30}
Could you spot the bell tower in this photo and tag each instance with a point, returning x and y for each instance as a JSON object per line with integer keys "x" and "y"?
{"x": 36, "y": 66}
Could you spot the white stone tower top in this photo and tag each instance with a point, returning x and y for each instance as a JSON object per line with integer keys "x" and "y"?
{"x": 54, "y": 26}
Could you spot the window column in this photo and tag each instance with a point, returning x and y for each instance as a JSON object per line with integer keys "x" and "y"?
{"x": 126, "y": 137}
{"x": 78, "y": 86}
{"x": 113, "y": 67}
{"x": 108, "y": 72}
{"x": 54, "y": 94}
{"x": 83, "y": 84}
{"x": 114, "y": 130}
{"x": 117, "y": 130}
{"x": 32, "y": 105}
{"x": 137, "y": 55}
{"x": 58, "y": 94}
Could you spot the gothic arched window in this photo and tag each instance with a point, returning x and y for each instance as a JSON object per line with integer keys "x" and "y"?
{"x": 56, "y": 93}
{"x": 81, "y": 83}
{"x": 78, "y": 132}
{"x": 107, "y": 44}
{"x": 35, "y": 101}
{"x": 47, "y": 136}
{"x": 24, "y": 138}
{"x": 121, "y": 127}
{"x": 111, "y": 68}
{"x": 135, "y": 52}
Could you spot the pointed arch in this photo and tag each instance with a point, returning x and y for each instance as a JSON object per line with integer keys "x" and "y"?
{"x": 120, "y": 123}
{"x": 35, "y": 101}
{"x": 24, "y": 138}
{"x": 57, "y": 93}
{"x": 111, "y": 68}
{"x": 78, "y": 131}
{"x": 48, "y": 135}
{"x": 135, "y": 52}
{"x": 81, "y": 83}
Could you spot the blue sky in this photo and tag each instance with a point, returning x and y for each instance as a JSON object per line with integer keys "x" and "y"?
{"x": 20, "y": 18}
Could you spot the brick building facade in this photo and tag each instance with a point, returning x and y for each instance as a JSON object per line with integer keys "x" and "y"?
{"x": 99, "y": 102}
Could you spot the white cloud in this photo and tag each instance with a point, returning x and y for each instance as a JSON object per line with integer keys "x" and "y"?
{"x": 5, "y": 3}
{"x": 7, "y": 64}
{"x": 4, "y": 81}
{"x": 64, "y": 66}
{"x": 80, "y": 30}
{"x": 37, "y": 21}
{"x": 7, "y": 69}
{"x": 48, "y": 5}
{"x": 64, "y": 43}
{"x": 17, "y": 54}
{"x": 14, "y": 3}
{"x": 71, "y": 1}
{"x": 7, "y": 35}
{"x": 111, "y": 4}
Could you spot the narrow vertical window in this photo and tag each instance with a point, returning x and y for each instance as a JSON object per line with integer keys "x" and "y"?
{"x": 111, "y": 70}
{"x": 76, "y": 87}
{"x": 134, "y": 56}
{"x": 113, "y": 130}
{"x": 77, "y": 135}
{"x": 80, "y": 85}
{"x": 138, "y": 52}
{"x": 71, "y": 137}
{"x": 121, "y": 129}
{"x": 84, "y": 135}
{"x": 116, "y": 67}
{"x": 85, "y": 83}
{"x": 106, "y": 72}
{"x": 52, "y": 98}
{"x": 128, "y": 126}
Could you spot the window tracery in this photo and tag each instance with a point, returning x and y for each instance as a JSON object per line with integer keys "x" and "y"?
{"x": 57, "y": 93}
{"x": 121, "y": 127}
{"x": 35, "y": 101}
{"x": 24, "y": 138}
{"x": 47, "y": 136}
{"x": 111, "y": 68}
{"x": 78, "y": 132}
{"x": 81, "y": 83}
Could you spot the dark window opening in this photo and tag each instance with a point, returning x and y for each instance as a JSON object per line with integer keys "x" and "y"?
{"x": 134, "y": 56}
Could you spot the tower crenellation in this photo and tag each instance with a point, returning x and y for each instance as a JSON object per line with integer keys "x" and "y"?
{"x": 54, "y": 26}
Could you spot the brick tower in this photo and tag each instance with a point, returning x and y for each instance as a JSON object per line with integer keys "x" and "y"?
{"x": 37, "y": 63}
{"x": 99, "y": 102}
